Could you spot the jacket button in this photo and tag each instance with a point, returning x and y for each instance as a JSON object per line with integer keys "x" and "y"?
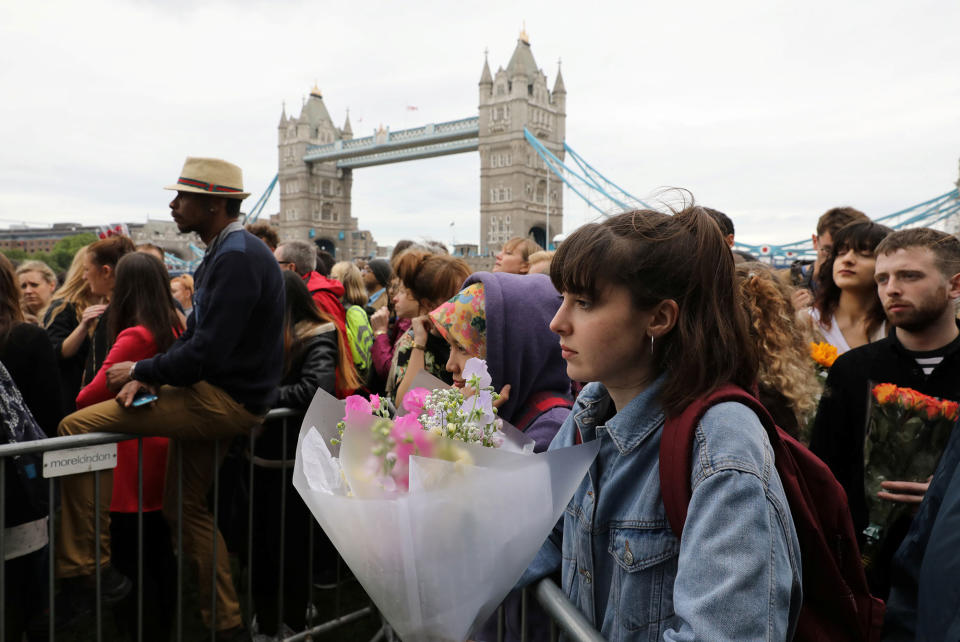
{"x": 628, "y": 558}
{"x": 586, "y": 576}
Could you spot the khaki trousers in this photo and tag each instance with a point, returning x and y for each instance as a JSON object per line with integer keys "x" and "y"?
{"x": 196, "y": 417}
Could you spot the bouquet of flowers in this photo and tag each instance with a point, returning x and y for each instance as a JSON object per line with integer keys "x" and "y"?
{"x": 906, "y": 434}
{"x": 823, "y": 354}
{"x": 434, "y": 520}
{"x": 442, "y": 412}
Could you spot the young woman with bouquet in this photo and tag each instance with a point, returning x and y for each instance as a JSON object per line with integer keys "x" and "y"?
{"x": 650, "y": 315}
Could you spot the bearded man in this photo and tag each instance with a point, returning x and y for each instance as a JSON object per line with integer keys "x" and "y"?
{"x": 918, "y": 281}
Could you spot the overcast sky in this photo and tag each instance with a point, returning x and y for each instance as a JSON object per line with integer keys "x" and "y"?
{"x": 770, "y": 111}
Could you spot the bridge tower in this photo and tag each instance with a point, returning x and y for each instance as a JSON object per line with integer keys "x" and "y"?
{"x": 514, "y": 193}
{"x": 315, "y": 197}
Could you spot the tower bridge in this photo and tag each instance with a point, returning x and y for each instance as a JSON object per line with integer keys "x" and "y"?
{"x": 428, "y": 141}
{"x": 517, "y": 197}
{"x": 519, "y": 132}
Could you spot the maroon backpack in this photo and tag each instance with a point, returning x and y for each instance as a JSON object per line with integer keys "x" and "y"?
{"x": 837, "y": 604}
{"x": 539, "y": 403}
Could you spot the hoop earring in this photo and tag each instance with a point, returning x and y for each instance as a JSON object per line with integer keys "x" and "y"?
{"x": 651, "y": 345}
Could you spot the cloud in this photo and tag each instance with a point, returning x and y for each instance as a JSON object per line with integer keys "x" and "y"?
{"x": 771, "y": 111}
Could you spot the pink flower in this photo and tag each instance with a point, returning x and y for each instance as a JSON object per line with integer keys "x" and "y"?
{"x": 410, "y": 437}
{"x": 375, "y": 402}
{"x": 357, "y": 405}
{"x": 414, "y": 400}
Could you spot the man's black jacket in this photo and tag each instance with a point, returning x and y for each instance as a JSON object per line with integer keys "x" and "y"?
{"x": 839, "y": 430}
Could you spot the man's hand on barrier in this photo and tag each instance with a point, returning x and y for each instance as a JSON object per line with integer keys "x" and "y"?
{"x": 130, "y": 390}
{"x": 119, "y": 374}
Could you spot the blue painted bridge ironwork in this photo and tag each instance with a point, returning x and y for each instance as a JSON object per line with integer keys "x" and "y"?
{"x": 427, "y": 141}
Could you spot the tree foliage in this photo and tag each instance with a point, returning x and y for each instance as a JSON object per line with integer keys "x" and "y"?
{"x": 60, "y": 257}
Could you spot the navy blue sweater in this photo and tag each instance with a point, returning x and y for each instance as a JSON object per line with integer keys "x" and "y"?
{"x": 234, "y": 336}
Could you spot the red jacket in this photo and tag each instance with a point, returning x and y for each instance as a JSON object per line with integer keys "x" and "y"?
{"x": 133, "y": 344}
{"x": 326, "y": 294}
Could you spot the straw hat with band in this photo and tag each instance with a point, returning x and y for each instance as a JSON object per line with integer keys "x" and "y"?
{"x": 210, "y": 176}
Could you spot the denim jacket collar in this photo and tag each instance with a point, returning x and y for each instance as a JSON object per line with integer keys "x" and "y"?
{"x": 629, "y": 427}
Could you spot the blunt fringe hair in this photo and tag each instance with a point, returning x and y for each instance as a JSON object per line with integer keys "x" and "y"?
{"x": 836, "y": 217}
{"x": 300, "y": 307}
{"x": 349, "y": 275}
{"x": 859, "y": 236}
{"x": 110, "y": 250}
{"x": 141, "y": 296}
{"x": 945, "y": 247}
{"x": 431, "y": 278}
{"x": 657, "y": 257}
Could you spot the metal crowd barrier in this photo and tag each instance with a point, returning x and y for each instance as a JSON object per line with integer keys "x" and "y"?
{"x": 562, "y": 612}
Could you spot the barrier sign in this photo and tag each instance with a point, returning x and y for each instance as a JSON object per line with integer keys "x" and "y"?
{"x": 70, "y": 461}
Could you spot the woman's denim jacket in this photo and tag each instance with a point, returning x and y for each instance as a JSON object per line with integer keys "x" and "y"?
{"x": 735, "y": 575}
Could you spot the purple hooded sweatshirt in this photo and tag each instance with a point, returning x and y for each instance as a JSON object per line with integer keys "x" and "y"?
{"x": 521, "y": 349}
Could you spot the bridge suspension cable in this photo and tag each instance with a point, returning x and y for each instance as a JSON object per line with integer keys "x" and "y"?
{"x": 607, "y": 198}
{"x": 254, "y": 213}
{"x": 593, "y": 188}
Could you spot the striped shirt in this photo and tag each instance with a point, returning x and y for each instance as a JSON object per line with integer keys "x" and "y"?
{"x": 927, "y": 364}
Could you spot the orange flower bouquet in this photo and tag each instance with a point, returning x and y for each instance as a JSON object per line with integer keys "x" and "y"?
{"x": 906, "y": 434}
{"x": 823, "y": 354}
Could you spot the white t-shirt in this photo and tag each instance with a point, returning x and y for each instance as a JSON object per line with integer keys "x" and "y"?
{"x": 834, "y": 337}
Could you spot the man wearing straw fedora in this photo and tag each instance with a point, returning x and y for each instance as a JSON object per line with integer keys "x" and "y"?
{"x": 216, "y": 382}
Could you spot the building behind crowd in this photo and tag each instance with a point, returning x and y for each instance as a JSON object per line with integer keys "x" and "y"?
{"x": 161, "y": 232}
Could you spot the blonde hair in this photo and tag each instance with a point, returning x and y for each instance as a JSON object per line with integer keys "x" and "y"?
{"x": 349, "y": 275}
{"x": 542, "y": 255}
{"x": 74, "y": 290}
{"x": 783, "y": 346}
{"x": 38, "y": 266}
{"x": 48, "y": 275}
{"x": 185, "y": 280}
{"x": 527, "y": 247}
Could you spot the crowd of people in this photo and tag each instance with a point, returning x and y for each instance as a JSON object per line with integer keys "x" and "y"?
{"x": 610, "y": 337}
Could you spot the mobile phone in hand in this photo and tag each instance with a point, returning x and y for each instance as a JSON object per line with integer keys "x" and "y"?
{"x": 142, "y": 398}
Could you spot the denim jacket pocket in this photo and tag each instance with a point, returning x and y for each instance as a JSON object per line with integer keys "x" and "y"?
{"x": 642, "y": 586}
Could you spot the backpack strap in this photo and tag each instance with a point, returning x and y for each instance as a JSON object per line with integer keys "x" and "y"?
{"x": 539, "y": 403}
{"x": 676, "y": 448}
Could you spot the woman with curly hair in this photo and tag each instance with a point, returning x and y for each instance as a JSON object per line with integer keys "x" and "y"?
{"x": 786, "y": 377}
